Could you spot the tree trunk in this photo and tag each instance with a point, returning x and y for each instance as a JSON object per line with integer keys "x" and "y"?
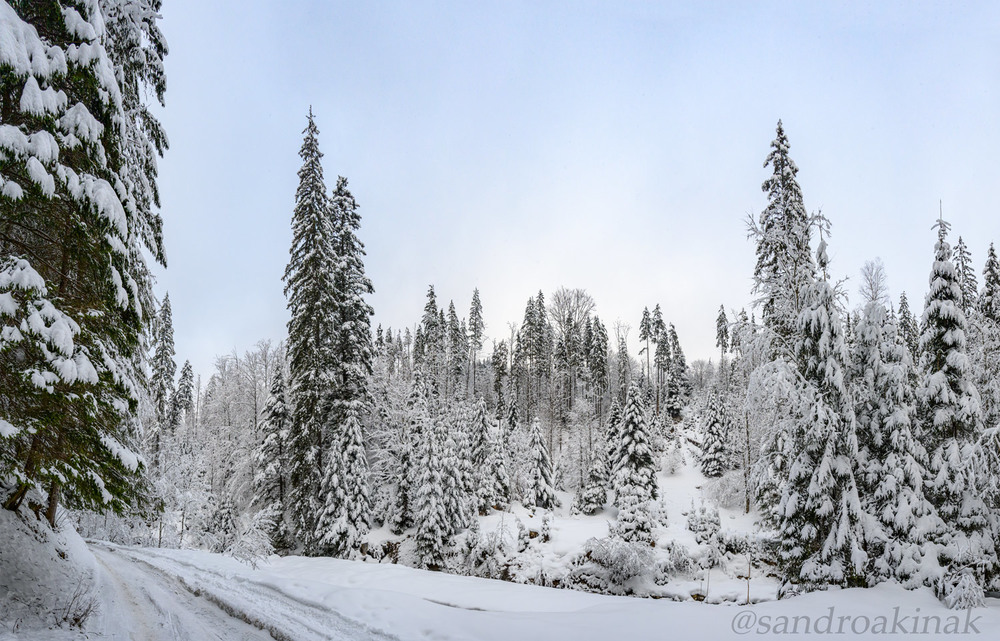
{"x": 53, "y": 505}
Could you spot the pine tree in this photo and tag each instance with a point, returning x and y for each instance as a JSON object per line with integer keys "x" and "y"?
{"x": 714, "y": 454}
{"x": 784, "y": 266}
{"x": 457, "y": 348}
{"x": 822, "y": 528}
{"x": 455, "y": 487}
{"x": 311, "y": 290}
{"x": 613, "y": 438}
{"x": 271, "y": 481}
{"x": 499, "y": 362}
{"x": 541, "y": 492}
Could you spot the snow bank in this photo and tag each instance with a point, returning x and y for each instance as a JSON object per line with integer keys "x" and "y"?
{"x": 46, "y": 577}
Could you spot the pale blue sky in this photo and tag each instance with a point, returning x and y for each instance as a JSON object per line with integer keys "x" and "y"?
{"x": 518, "y": 146}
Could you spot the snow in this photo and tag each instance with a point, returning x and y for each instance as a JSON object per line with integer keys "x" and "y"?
{"x": 321, "y": 598}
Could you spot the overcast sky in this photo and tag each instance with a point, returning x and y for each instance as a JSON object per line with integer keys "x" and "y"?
{"x": 523, "y": 146}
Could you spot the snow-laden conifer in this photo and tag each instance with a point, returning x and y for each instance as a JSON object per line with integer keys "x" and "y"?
{"x": 821, "y": 524}
{"x": 541, "y": 492}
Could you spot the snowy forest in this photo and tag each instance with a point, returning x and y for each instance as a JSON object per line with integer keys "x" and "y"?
{"x": 843, "y": 436}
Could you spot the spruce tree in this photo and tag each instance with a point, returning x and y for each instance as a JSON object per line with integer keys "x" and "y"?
{"x": 966, "y": 275}
{"x": 345, "y": 515}
{"x": 645, "y": 334}
{"x": 990, "y": 300}
{"x": 353, "y": 352}
{"x": 477, "y": 329}
{"x": 908, "y": 330}
{"x": 430, "y": 508}
{"x": 634, "y": 465}
{"x": 310, "y": 288}
{"x": 594, "y": 493}
{"x": 541, "y": 491}
{"x": 951, "y": 417}
{"x": 163, "y": 366}
{"x": 714, "y": 452}
{"x": 722, "y": 333}
{"x": 890, "y": 469}
{"x": 821, "y": 524}
{"x": 270, "y": 484}
{"x": 79, "y": 199}
{"x": 183, "y": 399}
{"x": 784, "y": 266}
{"x": 410, "y": 439}
{"x": 635, "y": 477}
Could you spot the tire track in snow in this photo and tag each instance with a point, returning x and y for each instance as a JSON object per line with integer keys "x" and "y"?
{"x": 285, "y": 616}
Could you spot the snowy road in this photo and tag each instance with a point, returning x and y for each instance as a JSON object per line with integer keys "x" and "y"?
{"x": 152, "y": 598}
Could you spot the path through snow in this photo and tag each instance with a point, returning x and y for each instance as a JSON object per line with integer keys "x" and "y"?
{"x": 145, "y": 596}
{"x": 137, "y": 602}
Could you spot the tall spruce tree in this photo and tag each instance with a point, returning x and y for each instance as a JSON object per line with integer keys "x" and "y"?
{"x": 163, "y": 365}
{"x": 311, "y": 290}
{"x": 784, "y": 266}
{"x": 182, "y": 401}
{"x": 477, "y": 329}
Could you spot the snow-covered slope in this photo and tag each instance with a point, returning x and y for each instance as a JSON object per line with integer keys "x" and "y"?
{"x": 46, "y": 578}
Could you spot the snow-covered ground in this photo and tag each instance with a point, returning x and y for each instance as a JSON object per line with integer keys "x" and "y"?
{"x": 154, "y": 594}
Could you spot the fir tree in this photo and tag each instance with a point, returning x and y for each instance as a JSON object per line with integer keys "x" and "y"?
{"x": 541, "y": 492}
